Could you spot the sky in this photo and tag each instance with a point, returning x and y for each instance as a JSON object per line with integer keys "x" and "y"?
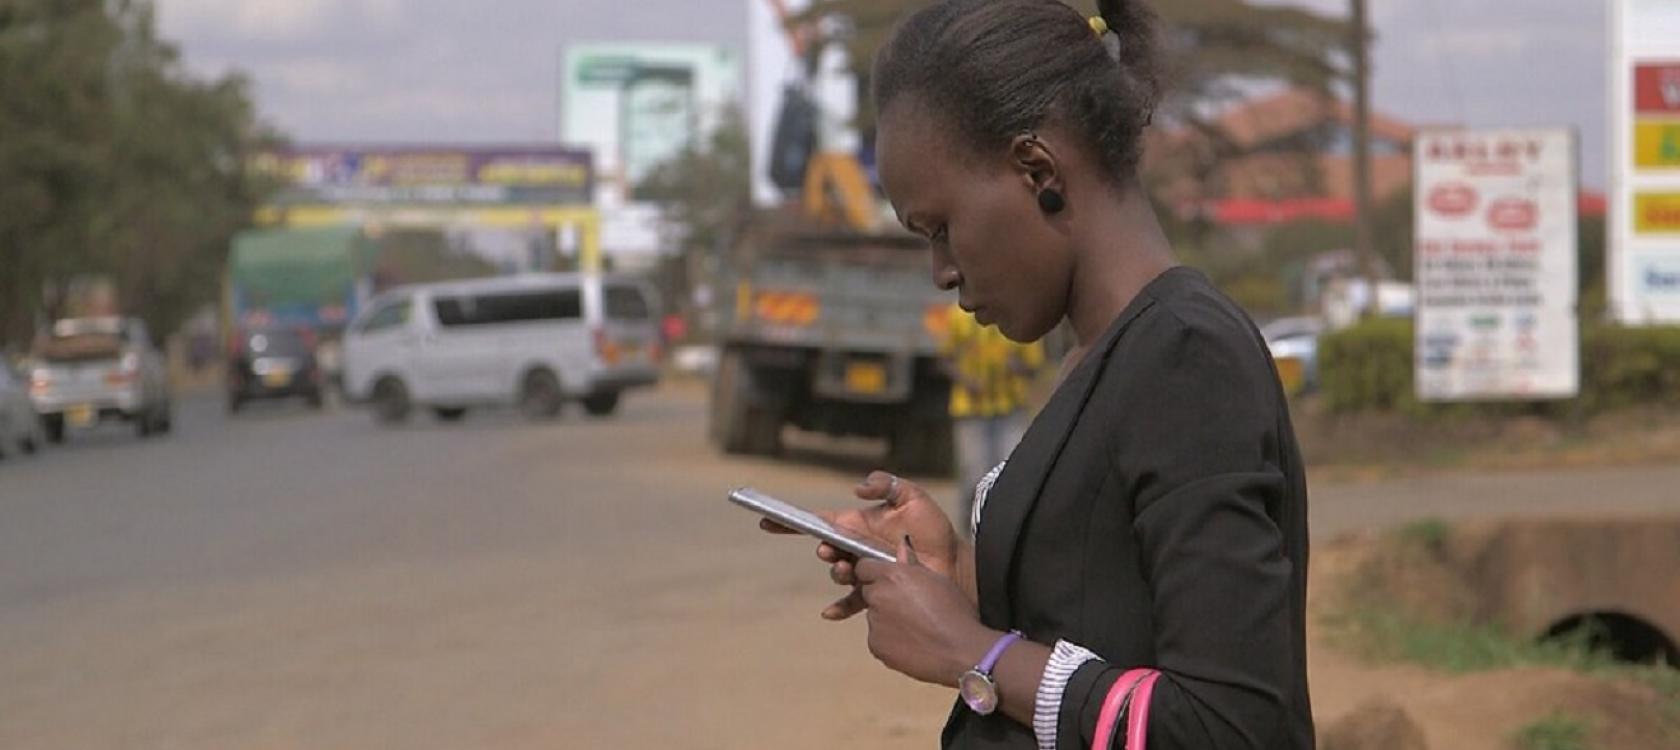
{"x": 472, "y": 72}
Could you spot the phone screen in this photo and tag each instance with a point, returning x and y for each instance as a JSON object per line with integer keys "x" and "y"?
{"x": 804, "y": 521}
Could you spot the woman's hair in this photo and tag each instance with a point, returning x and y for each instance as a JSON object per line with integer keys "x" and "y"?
{"x": 1000, "y": 68}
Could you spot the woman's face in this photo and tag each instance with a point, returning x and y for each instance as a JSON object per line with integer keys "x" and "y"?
{"x": 981, "y": 217}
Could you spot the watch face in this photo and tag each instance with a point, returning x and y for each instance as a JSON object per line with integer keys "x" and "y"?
{"x": 978, "y": 692}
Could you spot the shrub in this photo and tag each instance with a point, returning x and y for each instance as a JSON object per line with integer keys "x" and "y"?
{"x": 1369, "y": 368}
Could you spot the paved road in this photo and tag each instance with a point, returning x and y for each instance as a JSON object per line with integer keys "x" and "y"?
{"x": 293, "y": 579}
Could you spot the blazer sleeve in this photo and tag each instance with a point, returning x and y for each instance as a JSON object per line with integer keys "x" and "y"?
{"x": 1195, "y": 409}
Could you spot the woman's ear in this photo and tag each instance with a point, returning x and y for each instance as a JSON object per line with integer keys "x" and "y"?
{"x": 1034, "y": 160}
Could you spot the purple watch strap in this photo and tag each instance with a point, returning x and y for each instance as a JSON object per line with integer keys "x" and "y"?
{"x": 986, "y": 664}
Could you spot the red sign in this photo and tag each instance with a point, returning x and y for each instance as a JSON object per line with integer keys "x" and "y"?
{"x": 1513, "y": 215}
{"x": 1656, "y": 88}
{"x": 1453, "y": 199}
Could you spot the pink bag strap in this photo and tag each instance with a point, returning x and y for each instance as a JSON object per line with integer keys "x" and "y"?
{"x": 1137, "y": 724}
{"x": 1116, "y": 698}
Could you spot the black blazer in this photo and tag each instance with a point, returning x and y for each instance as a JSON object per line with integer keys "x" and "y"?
{"x": 1156, "y": 513}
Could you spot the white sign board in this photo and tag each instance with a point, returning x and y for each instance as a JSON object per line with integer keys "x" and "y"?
{"x": 1644, "y": 222}
{"x": 638, "y": 105}
{"x": 1495, "y": 265}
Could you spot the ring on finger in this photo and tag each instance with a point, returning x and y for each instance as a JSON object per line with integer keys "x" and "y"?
{"x": 892, "y": 489}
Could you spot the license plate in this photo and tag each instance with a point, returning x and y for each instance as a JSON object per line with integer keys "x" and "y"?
{"x": 866, "y": 377}
{"x": 80, "y": 415}
{"x": 277, "y": 378}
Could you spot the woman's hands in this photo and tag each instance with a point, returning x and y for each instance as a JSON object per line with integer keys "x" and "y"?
{"x": 905, "y": 509}
{"x": 922, "y": 616}
{"x": 920, "y": 623}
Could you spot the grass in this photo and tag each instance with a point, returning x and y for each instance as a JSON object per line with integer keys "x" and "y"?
{"x": 1429, "y": 534}
{"x": 1368, "y": 622}
{"x": 1382, "y": 634}
{"x": 1559, "y": 731}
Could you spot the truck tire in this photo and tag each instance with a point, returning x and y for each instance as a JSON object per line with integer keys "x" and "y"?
{"x": 53, "y": 426}
{"x": 743, "y": 423}
{"x": 924, "y": 447}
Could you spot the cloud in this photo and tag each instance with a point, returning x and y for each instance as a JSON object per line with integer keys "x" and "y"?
{"x": 317, "y": 77}
{"x": 269, "y": 20}
{"x": 250, "y": 19}
{"x": 1480, "y": 42}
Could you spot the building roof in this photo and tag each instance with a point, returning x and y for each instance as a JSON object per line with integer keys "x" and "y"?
{"x": 1295, "y": 110}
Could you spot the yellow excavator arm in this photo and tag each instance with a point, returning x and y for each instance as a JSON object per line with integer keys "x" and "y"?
{"x": 837, "y": 191}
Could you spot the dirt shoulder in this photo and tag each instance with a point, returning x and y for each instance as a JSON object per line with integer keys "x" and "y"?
{"x": 1467, "y": 707}
{"x": 1373, "y": 447}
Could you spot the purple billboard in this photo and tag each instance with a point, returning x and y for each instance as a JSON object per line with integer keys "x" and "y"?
{"x": 431, "y": 175}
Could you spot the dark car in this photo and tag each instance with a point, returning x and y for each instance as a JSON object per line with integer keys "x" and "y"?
{"x": 273, "y": 363}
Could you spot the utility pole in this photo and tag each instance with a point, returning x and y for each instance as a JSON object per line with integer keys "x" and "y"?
{"x": 1363, "y": 247}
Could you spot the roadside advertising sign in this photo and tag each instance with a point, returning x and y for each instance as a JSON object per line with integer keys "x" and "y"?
{"x": 1643, "y": 256}
{"x": 431, "y": 175}
{"x": 1495, "y": 265}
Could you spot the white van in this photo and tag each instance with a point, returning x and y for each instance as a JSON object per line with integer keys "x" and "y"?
{"x": 534, "y": 341}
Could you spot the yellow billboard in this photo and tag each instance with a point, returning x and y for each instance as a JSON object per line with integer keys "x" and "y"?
{"x": 1656, "y": 144}
{"x": 1656, "y": 213}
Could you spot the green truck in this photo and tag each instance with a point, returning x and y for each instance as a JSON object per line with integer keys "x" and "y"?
{"x": 836, "y": 332}
{"x": 298, "y": 278}
{"x": 312, "y": 279}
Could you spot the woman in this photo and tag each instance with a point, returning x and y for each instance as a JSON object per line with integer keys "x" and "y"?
{"x": 1155, "y": 513}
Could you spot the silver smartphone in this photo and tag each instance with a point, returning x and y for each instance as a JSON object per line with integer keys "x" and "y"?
{"x": 806, "y": 522}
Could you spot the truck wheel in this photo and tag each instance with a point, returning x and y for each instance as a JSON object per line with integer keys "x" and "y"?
{"x": 390, "y": 401}
{"x": 923, "y": 447}
{"x": 540, "y": 396}
{"x": 53, "y": 426}
{"x": 145, "y": 423}
{"x": 601, "y": 404}
{"x": 742, "y": 423}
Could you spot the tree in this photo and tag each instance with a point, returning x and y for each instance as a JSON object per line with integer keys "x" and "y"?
{"x": 114, "y": 163}
{"x": 1215, "y": 52}
{"x": 706, "y": 190}
{"x": 705, "y": 198}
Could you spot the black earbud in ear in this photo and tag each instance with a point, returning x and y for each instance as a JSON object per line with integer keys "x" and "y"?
{"x": 1050, "y": 201}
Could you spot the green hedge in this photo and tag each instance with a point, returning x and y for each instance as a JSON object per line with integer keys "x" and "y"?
{"x": 1623, "y": 367}
{"x": 1369, "y": 368}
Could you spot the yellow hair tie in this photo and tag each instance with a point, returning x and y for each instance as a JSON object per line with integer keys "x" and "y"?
{"x": 1098, "y": 25}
